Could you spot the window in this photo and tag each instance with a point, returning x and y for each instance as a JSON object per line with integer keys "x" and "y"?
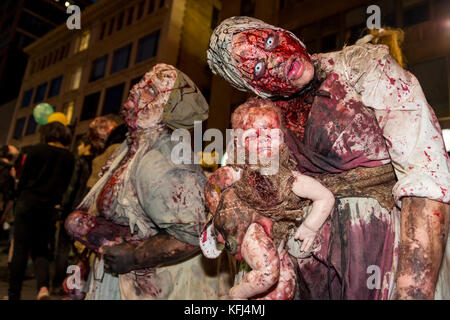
{"x": 161, "y": 3}
{"x": 55, "y": 86}
{"x": 98, "y": 68}
{"x": 40, "y": 93}
{"x": 20, "y": 123}
{"x": 248, "y": 8}
{"x": 113, "y": 99}
{"x": 102, "y": 33}
{"x": 151, "y": 6}
{"x": 90, "y": 106}
{"x": 215, "y": 18}
{"x": 84, "y": 41}
{"x": 130, "y": 16}
{"x": 120, "y": 20}
{"x": 140, "y": 10}
{"x": 111, "y": 26}
{"x": 147, "y": 47}
{"x": 76, "y": 78}
{"x": 55, "y": 57}
{"x": 26, "y": 100}
{"x": 121, "y": 58}
{"x": 31, "y": 126}
{"x": 134, "y": 81}
{"x": 68, "y": 110}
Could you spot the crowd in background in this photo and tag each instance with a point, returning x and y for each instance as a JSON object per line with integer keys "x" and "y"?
{"x": 40, "y": 185}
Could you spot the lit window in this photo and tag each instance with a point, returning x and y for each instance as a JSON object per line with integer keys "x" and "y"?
{"x": 75, "y": 80}
{"x": 84, "y": 41}
{"x": 31, "y": 126}
{"x": 40, "y": 93}
{"x": 147, "y": 47}
{"x": 98, "y": 68}
{"x": 121, "y": 58}
{"x": 113, "y": 99}
{"x": 55, "y": 87}
{"x": 68, "y": 110}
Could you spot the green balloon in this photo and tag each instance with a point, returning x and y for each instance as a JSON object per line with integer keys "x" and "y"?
{"x": 41, "y": 113}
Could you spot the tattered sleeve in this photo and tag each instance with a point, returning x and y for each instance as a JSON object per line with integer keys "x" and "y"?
{"x": 174, "y": 202}
{"x": 410, "y": 127}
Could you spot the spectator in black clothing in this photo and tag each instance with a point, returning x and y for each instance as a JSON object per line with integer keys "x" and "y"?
{"x": 72, "y": 197}
{"x": 8, "y": 155}
{"x": 45, "y": 176}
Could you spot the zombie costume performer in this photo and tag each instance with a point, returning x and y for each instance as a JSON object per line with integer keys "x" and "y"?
{"x": 153, "y": 207}
{"x": 257, "y": 210}
{"x": 354, "y": 109}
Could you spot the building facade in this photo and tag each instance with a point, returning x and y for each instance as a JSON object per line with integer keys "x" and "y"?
{"x": 120, "y": 40}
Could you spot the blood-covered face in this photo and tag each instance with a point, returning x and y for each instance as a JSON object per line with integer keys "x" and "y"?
{"x": 272, "y": 61}
{"x": 262, "y": 128}
{"x": 148, "y": 98}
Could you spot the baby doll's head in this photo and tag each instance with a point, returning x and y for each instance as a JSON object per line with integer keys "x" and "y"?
{"x": 261, "y": 125}
{"x": 78, "y": 224}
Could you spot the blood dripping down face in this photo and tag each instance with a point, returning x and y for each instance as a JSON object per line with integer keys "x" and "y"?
{"x": 272, "y": 61}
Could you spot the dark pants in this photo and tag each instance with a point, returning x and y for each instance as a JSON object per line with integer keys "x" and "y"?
{"x": 62, "y": 257}
{"x": 32, "y": 234}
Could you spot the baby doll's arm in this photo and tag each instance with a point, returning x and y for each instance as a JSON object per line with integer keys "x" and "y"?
{"x": 221, "y": 179}
{"x": 323, "y": 202}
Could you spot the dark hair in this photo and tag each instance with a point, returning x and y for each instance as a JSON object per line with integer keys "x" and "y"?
{"x": 56, "y": 132}
{"x": 118, "y": 135}
{"x": 85, "y": 139}
{"x": 4, "y": 152}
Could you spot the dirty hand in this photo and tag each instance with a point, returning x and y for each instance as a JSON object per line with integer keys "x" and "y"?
{"x": 119, "y": 258}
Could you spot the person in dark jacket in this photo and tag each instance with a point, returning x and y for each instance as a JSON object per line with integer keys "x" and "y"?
{"x": 45, "y": 176}
{"x": 72, "y": 197}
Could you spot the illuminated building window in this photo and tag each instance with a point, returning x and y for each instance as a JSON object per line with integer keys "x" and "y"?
{"x": 98, "y": 68}
{"x": 83, "y": 41}
{"x": 90, "y": 106}
{"x": 76, "y": 78}
{"x": 31, "y": 126}
{"x": 20, "y": 124}
{"x": 55, "y": 87}
{"x": 68, "y": 110}
{"x": 40, "y": 93}
{"x": 26, "y": 100}
{"x": 113, "y": 99}
{"x": 121, "y": 58}
{"x": 147, "y": 47}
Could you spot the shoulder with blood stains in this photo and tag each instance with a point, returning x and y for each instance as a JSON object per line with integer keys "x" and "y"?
{"x": 353, "y": 62}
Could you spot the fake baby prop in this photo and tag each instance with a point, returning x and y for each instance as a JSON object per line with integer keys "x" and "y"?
{"x": 253, "y": 213}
